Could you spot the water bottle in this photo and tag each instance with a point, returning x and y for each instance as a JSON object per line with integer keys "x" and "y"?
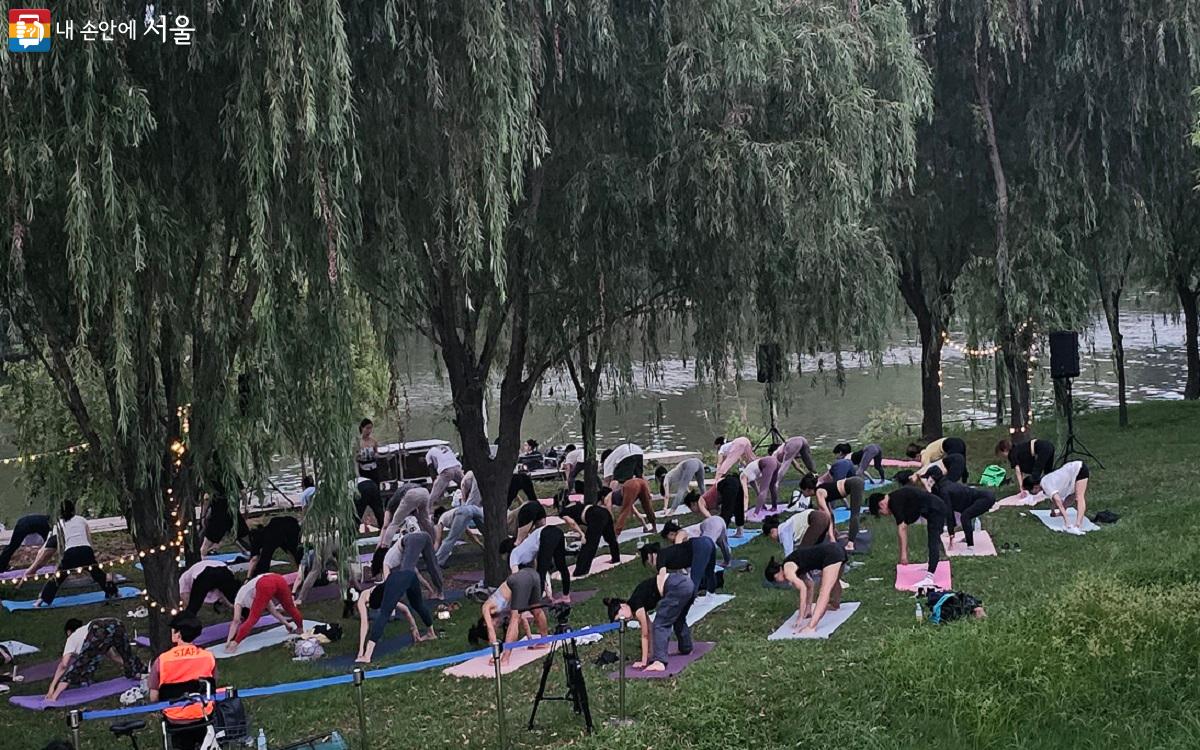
{"x": 262, "y": 739}
{"x": 336, "y": 739}
{"x": 918, "y": 613}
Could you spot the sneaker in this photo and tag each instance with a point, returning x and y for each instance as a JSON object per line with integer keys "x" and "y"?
{"x": 927, "y": 580}
{"x": 968, "y": 552}
{"x": 1075, "y": 531}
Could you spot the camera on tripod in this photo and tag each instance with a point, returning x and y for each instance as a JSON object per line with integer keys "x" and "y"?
{"x": 562, "y": 615}
{"x": 576, "y": 694}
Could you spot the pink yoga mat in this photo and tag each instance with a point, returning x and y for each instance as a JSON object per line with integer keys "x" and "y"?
{"x": 908, "y": 576}
{"x": 902, "y": 463}
{"x": 75, "y": 696}
{"x": 983, "y": 545}
{"x": 598, "y": 567}
{"x": 1014, "y": 501}
{"x": 675, "y": 663}
{"x": 482, "y": 667}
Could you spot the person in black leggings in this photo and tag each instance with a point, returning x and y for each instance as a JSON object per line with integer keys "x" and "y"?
{"x": 969, "y": 502}
{"x": 26, "y": 526}
{"x": 907, "y": 505}
{"x": 368, "y": 498}
{"x": 728, "y": 492}
{"x": 521, "y": 483}
{"x": 599, "y": 523}
{"x": 1032, "y": 458}
{"x": 281, "y": 532}
{"x": 203, "y": 578}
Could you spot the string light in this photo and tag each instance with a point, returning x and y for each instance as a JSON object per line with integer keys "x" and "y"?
{"x": 29, "y": 457}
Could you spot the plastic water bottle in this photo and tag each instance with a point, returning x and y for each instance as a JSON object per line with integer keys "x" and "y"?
{"x": 262, "y": 739}
{"x": 918, "y": 613}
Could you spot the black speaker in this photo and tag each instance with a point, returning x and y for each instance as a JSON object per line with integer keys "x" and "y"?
{"x": 770, "y": 363}
{"x": 1064, "y": 354}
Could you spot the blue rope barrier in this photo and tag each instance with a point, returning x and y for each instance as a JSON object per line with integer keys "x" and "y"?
{"x": 345, "y": 679}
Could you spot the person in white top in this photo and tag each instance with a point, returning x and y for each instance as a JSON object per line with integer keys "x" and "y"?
{"x": 447, "y": 470}
{"x": 623, "y": 462}
{"x": 731, "y": 453}
{"x": 86, "y": 648}
{"x": 572, "y": 465}
{"x": 712, "y": 527}
{"x": 74, "y": 543}
{"x": 1070, "y": 480}
{"x": 206, "y": 582}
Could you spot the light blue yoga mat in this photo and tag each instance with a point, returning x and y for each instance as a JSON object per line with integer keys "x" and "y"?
{"x": 73, "y": 600}
{"x": 748, "y": 535}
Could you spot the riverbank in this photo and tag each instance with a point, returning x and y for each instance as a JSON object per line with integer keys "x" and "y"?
{"x": 1090, "y": 642}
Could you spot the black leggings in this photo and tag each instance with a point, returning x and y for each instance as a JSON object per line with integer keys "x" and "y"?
{"x": 281, "y": 532}
{"x": 369, "y": 498}
{"x": 981, "y": 502}
{"x": 599, "y": 526}
{"x": 518, "y": 484}
{"x": 26, "y": 525}
{"x": 552, "y": 555}
{"x": 733, "y": 501}
{"x": 936, "y": 520}
{"x": 956, "y": 467}
{"x": 216, "y": 578}
{"x": 75, "y": 557}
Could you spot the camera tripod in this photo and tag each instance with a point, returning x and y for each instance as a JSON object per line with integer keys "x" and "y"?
{"x": 1074, "y": 446}
{"x": 773, "y": 436}
{"x": 573, "y": 671}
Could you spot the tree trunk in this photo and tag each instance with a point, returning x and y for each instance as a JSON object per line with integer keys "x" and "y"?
{"x": 931, "y": 378}
{"x": 1187, "y": 300}
{"x": 587, "y": 418}
{"x": 149, "y": 532}
{"x": 1000, "y": 380}
{"x": 1111, "y": 300}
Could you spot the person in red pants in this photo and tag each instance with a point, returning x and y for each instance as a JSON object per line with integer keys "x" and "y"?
{"x": 628, "y": 493}
{"x": 269, "y": 592}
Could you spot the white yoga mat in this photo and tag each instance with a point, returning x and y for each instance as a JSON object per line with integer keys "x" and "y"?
{"x": 701, "y": 607}
{"x": 1056, "y": 523}
{"x": 260, "y": 640}
{"x": 16, "y": 648}
{"x": 682, "y": 510}
{"x": 598, "y": 566}
{"x": 830, "y": 622}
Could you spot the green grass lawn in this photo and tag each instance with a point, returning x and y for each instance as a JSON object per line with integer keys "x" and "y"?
{"x": 1090, "y": 642}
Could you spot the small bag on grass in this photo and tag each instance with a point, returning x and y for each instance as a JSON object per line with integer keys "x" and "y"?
{"x": 947, "y": 606}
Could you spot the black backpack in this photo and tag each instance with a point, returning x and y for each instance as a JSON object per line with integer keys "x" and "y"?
{"x": 947, "y": 606}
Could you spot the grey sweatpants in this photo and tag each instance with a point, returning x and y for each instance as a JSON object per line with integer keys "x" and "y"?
{"x": 680, "y": 478}
{"x": 321, "y": 559}
{"x": 414, "y": 502}
{"x": 419, "y": 546}
{"x": 671, "y": 616}
{"x": 464, "y": 517}
{"x": 442, "y": 483}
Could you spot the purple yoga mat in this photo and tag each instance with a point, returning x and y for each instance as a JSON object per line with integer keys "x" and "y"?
{"x": 76, "y": 696}
{"x": 754, "y": 515}
{"x": 468, "y": 576}
{"x": 43, "y": 670}
{"x": 214, "y": 633}
{"x": 15, "y": 574}
{"x": 675, "y": 663}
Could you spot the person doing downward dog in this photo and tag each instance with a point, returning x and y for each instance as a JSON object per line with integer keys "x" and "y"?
{"x": 1030, "y": 458}
{"x": 86, "y": 648}
{"x": 405, "y": 553}
{"x": 74, "y": 543}
{"x": 622, "y": 463}
{"x": 937, "y": 450}
{"x": 408, "y": 500}
{"x": 386, "y": 597}
{"x": 907, "y": 505}
{"x": 712, "y": 527}
{"x": 521, "y": 592}
{"x": 862, "y": 458}
{"x": 827, "y": 558}
{"x": 674, "y": 485}
{"x": 793, "y": 448}
{"x": 763, "y": 474}
{"x": 281, "y": 532}
{"x": 207, "y": 582}
{"x": 627, "y": 494}
{"x": 179, "y": 671}
{"x": 697, "y": 555}
{"x": 266, "y": 592}
{"x": 457, "y": 520}
{"x": 969, "y": 502}
{"x": 804, "y": 529}
{"x": 849, "y": 489}
{"x": 730, "y": 497}
{"x": 1071, "y": 480}
{"x": 599, "y": 523}
{"x": 572, "y": 465}
{"x": 446, "y": 470}
{"x": 545, "y": 549}
{"x": 27, "y": 526}
{"x": 670, "y": 596}
{"x": 730, "y": 454}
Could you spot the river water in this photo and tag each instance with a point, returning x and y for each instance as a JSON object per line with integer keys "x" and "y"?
{"x": 666, "y": 407}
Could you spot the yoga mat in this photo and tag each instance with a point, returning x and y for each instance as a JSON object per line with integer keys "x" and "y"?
{"x": 1056, "y": 523}
{"x": 676, "y": 663}
{"x": 874, "y": 484}
{"x": 75, "y": 696}
{"x": 908, "y": 576}
{"x": 1014, "y": 501}
{"x": 482, "y": 667}
{"x": 628, "y": 535}
{"x": 259, "y": 641}
{"x": 369, "y": 541}
{"x": 748, "y": 535}
{"x": 13, "y": 575}
{"x": 902, "y": 463}
{"x": 43, "y": 670}
{"x": 214, "y": 633}
{"x": 16, "y": 648}
{"x": 598, "y": 566}
{"x": 754, "y": 515}
{"x": 682, "y": 510}
{"x": 830, "y": 622}
{"x": 862, "y": 545}
{"x": 701, "y": 607}
{"x": 383, "y": 648}
{"x": 958, "y": 548}
{"x": 72, "y": 600}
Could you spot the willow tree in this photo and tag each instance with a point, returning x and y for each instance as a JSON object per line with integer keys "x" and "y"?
{"x": 724, "y": 127}
{"x": 176, "y": 219}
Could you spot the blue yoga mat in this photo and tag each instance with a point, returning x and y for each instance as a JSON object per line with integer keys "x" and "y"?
{"x": 73, "y": 600}
{"x": 842, "y": 515}
{"x": 748, "y": 535}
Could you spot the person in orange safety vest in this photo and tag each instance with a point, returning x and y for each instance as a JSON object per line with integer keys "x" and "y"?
{"x": 179, "y": 671}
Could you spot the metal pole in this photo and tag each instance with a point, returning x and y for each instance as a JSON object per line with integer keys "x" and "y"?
{"x": 359, "y": 678}
{"x": 621, "y": 674}
{"x": 75, "y": 719}
{"x": 497, "y": 652}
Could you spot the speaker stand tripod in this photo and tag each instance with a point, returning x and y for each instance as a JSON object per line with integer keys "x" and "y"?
{"x": 1074, "y": 446}
{"x": 773, "y": 436}
{"x": 576, "y": 687}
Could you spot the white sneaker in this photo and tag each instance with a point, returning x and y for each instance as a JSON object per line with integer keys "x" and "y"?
{"x": 926, "y": 581}
{"x": 1075, "y": 531}
{"x": 968, "y": 552}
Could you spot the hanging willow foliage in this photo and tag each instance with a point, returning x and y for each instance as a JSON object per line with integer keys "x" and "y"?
{"x": 178, "y": 216}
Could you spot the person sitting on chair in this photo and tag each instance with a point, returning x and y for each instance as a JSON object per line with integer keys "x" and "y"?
{"x": 183, "y": 670}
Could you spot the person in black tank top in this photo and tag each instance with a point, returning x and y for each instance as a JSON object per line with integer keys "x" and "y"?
{"x": 826, "y": 558}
